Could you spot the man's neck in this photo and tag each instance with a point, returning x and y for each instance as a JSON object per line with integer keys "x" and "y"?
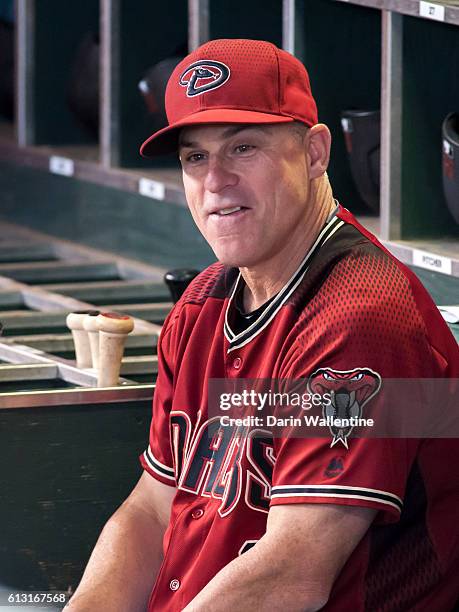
{"x": 267, "y": 279}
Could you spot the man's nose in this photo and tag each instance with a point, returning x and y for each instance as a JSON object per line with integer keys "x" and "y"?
{"x": 219, "y": 175}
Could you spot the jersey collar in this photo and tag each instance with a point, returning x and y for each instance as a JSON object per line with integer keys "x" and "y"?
{"x": 272, "y": 307}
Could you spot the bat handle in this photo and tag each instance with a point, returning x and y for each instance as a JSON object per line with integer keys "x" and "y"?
{"x": 113, "y": 330}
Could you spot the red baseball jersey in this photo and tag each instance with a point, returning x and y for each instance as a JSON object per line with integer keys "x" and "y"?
{"x": 350, "y": 312}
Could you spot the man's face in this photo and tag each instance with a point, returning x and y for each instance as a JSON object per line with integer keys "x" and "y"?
{"x": 247, "y": 188}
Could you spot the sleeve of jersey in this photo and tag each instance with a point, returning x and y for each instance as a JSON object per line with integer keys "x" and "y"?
{"x": 371, "y": 473}
{"x": 340, "y": 468}
{"x": 157, "y": 458}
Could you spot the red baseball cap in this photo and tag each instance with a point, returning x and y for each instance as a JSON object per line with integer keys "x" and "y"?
{"x": 233, "y": 81}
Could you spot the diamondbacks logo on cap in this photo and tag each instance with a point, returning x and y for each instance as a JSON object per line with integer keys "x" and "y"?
{"x": 203, "y": 76}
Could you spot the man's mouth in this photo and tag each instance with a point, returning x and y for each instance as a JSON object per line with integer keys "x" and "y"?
{"x": 229, "y": 211}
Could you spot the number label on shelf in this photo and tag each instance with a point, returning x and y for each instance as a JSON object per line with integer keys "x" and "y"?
{"x": 152, "y": 189}
{"x": 61, "y": 165}
{"x": 431, "y": 261}
{"x": 432, "y": 11}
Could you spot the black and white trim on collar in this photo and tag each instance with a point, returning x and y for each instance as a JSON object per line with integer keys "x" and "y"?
{"x": 272, "y": 308}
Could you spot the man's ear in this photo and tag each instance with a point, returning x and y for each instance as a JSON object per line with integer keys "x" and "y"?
{"x": 319, "y": 143}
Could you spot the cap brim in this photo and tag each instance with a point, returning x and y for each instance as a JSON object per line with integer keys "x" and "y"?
{"x": 166, "y": 140}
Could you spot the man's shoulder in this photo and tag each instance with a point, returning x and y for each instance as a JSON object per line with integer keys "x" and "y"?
{"x": 354, "y": 271}
{"x": 359, "y": 289}
{"x": 363, "y": 298}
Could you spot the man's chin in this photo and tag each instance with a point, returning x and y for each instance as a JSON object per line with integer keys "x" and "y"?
{"x": 233, "y": 260}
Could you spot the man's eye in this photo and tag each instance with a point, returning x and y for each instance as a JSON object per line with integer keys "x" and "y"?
{"x": 194, "y": 157}
{"x": 244, "y": 148}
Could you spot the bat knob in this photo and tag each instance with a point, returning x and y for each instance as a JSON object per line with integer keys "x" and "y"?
{"x": 178, "y": 281}
{"x": 113, "y": 323}
{"x": 90, "y": 321}
{"x": 75, "y": 319}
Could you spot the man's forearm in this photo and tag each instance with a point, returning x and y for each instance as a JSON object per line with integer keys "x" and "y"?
{"x": 293, "y": 566}
{"x": 249, "y": 582}
{"x": 123, "y": 566}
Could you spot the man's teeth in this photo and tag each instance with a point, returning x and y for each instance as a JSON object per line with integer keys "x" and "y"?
{"x": 228, "y": 211}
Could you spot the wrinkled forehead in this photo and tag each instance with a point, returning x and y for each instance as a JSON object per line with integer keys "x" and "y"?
{"x": 192, "y": 135}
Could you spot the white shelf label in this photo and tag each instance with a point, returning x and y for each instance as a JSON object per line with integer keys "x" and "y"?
{"x": 431, "y": 261}
{"x": 432, "y": 11}
{"x": 152, "y": 189}
{"x": 61, "y": 165}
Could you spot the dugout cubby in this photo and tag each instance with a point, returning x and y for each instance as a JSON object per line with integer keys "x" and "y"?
{"x": 55, "y": 75}
{"x": 430, "y": 92}
{"x": 344, "y": 64}
{"x": 147, "y": 33}
{"x": 258, "y": 19}
{"x": 7, "y": 69}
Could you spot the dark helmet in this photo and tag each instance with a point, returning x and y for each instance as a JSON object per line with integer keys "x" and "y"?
{"x": 178, "y": 280}
{"x": 450, "y": 133}
{"x": 362, "y": 135}
{"x": 153, "y": 87}
{"x": 153, "y": 84}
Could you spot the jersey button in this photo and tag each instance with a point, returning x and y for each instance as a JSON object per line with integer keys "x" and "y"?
{"x": 196, "y": 514}
{"x": 237, "y": 363}
{"x": 174, "y": 584}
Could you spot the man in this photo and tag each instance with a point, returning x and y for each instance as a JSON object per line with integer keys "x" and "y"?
{"x": 262, "y": 522}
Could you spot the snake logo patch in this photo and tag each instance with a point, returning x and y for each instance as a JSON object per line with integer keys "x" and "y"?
{"x": 349, "y": 390}
{"x": 203, "y": 76}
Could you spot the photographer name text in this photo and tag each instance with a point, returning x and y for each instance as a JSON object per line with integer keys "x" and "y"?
{"x": 307, "y": 420}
